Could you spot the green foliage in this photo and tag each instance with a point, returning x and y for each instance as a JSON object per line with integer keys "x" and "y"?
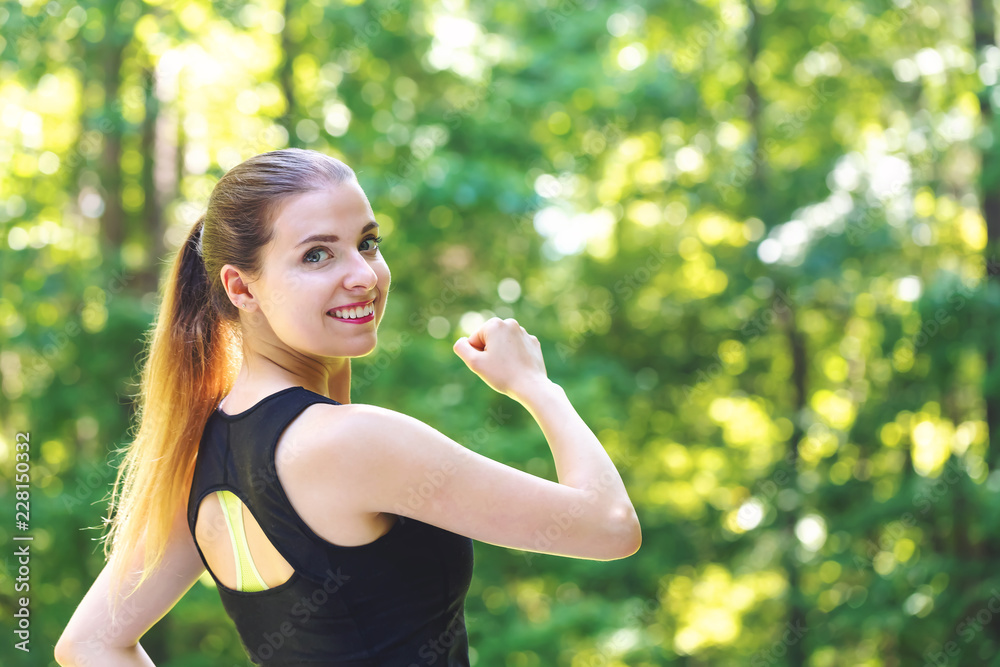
{"x": 755, "y": 240}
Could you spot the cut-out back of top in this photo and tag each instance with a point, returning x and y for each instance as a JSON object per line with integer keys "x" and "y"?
{"x": 247, "y": 576}
{"x": 236, "y": 550}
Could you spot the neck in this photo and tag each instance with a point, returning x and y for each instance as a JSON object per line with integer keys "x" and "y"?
{"x": 265, "y": 367}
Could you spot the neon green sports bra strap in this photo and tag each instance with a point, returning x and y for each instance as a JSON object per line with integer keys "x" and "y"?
{"x": 247, "y": 577}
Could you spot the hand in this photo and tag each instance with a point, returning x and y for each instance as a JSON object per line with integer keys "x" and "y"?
{"x": 504, "y": 355}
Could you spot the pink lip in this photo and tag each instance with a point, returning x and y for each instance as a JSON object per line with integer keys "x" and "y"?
{"x": 351, "y": 305}
{"x": 359, "y": 320}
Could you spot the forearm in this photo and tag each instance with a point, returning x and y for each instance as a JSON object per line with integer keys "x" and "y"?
{"x": 580, "y": 458}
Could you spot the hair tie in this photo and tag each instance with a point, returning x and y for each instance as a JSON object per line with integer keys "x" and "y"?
{"x": 201, "y": 232}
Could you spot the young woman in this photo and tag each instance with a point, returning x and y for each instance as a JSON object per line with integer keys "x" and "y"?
{"x": 337, "y": 533}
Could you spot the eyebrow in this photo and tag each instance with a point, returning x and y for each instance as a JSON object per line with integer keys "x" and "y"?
{"x": 332, "y": 238}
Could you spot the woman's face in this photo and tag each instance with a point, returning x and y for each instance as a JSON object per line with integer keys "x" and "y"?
{"x": 324, "y": 256}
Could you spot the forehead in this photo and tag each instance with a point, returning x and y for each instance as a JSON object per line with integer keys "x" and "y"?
{"x": 340, "y": 209}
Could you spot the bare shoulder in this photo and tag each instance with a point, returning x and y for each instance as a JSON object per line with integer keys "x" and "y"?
{"x": 335, "y": 455}
{"x": 322, "y": 427}
{"x": 317, "y": 465}
{"x": 313, "y": 436}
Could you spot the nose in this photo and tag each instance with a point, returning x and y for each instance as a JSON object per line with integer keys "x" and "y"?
{"x": 360, "y": 273}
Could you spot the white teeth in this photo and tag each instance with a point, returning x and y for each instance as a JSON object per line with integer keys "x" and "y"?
{"x": 354, "y": 313}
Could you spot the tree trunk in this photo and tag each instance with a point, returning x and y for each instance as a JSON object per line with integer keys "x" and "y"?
{"x": 984, "y": 30}
{"x": 757, "y": 181}
{"x": 800, "y": 360}
{"x": 983, "y": 20}
{"x": 152, "y": 210}
{"x": 113, "y": 220}
{"x": 287, "y": 76}
{"x": 756, "y": 202}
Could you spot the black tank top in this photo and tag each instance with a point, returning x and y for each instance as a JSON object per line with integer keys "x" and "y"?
{"x": 396, "y": 602}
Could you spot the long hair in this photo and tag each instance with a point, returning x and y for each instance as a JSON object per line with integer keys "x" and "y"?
{"x": 194, "y": 351}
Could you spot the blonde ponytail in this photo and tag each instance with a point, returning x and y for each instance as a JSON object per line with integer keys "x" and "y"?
{"x": 194, "y": 351}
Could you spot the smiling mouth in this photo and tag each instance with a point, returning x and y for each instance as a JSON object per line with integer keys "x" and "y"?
{"x": 363, "y": 313}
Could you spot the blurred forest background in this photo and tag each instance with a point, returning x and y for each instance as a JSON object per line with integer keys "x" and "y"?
{"x": 757, "y": 240}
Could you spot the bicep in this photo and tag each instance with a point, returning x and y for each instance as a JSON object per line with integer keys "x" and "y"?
{"x": 395, "y": 463}
{"x": 91, "y": 630}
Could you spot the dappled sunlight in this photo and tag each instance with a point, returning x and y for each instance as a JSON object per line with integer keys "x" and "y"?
{"x": 709, "y": 604}
{"x": 746, "y": 425}
{"x": 758, "y": 257}
{"x": 835, "y": 407}
{"x": 930, "y": 449}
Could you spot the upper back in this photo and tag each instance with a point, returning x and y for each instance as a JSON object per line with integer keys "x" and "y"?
{"x": 386, "y": 597}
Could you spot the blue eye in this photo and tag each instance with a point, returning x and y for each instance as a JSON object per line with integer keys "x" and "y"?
{"x": 310, "y": 253}
{"x": 376, "y": 239}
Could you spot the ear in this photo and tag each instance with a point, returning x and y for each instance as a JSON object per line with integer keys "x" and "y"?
{"x": 235, "y": 282}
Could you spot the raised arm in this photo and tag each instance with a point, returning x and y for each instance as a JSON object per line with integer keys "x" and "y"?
{"x": 377, "y": 460}
{"x": 90, "y": 638}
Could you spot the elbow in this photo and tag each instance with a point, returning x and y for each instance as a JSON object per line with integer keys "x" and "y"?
{"x": 71, "y": 651}
{"x": 626, "y": 533}
{"x": 65, "y": 652}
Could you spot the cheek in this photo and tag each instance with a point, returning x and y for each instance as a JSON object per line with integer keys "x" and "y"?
{"x": 297, "y": 283}
{"x": 294, "y": 293}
